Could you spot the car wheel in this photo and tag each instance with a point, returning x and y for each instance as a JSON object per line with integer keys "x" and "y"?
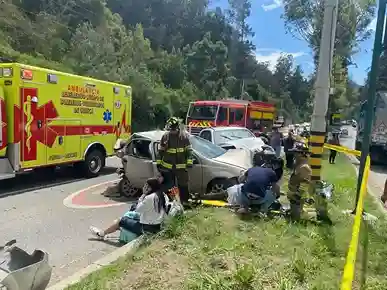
{"x": 127, "y": 189}
{"x": 219, "y": 186}
{"x": 93, "y": 164}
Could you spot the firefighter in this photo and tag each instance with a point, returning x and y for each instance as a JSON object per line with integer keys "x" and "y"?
{"x": 299, "y": 187}
{"x": 175, "y": 157}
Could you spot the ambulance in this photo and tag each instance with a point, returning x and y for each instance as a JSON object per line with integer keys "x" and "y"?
{"x": 50, "y": 118}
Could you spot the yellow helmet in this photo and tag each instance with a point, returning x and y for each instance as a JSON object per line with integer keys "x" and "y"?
{"x": 172, "y": 123}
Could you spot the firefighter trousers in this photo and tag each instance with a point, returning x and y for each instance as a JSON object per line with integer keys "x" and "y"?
{"x": 177, "y": 178}
{"x": 297, "y": 201}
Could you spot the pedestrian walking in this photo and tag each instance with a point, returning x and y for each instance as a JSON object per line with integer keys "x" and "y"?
{"x": 288, "y": 145}
{"x": 333, "y": 141}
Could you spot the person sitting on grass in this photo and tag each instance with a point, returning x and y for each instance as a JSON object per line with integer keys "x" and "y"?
{"x": 146, "y": 216}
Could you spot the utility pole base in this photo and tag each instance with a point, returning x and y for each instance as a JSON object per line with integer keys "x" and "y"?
{"x": 316, "y": 148}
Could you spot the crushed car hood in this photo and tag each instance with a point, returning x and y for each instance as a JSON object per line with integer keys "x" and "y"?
{"x": 237, "y": 157}
{"x": 251, "y": 144}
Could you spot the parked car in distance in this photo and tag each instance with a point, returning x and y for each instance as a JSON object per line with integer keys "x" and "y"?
{"x": 214, "y": 168}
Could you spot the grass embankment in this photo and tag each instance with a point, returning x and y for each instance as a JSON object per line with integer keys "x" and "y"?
{"x": 211, "y": 248}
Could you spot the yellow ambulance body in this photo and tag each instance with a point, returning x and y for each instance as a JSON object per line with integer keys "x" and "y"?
{"x": 51, "y": 118}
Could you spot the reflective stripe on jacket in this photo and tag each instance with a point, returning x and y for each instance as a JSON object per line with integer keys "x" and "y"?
{"x": 175, "y": 151}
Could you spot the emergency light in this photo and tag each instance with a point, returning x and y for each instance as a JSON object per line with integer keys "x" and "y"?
{"x": 26, "y": 74}
{"x": 7, "y": 72}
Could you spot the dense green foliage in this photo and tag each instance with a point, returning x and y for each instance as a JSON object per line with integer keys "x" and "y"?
{"x": 176, "y": 51}
{"x": 304, "y": 20}
{"x": 170, "y": 51}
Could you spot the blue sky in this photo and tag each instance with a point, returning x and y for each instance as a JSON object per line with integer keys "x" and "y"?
{"x": 271, "y": 39}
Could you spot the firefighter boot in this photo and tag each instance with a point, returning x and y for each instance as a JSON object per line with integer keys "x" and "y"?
{"x": 295, "y": 211}
{"x": 322, "y": 210}
{"x": 296, "y": 205}
{"x": 184, "y": 196}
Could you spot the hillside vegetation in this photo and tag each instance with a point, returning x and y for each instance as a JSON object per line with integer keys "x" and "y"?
{"x": 170, "y": 51}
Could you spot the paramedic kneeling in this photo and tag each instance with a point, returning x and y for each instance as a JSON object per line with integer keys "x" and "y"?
{"x": 260, "y": 188}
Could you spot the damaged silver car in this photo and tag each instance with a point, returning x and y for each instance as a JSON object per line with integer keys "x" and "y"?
{"x": 213, "y": 170}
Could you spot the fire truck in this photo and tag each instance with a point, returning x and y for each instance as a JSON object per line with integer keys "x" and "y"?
{"x": 254, "y": 115}
{"x": 50, "y": 118}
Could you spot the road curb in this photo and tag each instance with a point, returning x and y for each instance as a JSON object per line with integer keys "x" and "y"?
{"x": 107, "y": 260}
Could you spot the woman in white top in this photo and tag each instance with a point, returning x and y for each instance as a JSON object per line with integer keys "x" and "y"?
{"x": 148, "y": 214}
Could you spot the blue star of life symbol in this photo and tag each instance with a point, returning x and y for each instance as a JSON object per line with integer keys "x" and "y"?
{"x": 107, "y": 116}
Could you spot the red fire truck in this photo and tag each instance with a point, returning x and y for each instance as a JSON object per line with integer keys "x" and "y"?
{"x": 256, "y": 116}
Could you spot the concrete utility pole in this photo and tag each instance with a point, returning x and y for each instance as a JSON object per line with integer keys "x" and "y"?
{"x": 322, "y": 88}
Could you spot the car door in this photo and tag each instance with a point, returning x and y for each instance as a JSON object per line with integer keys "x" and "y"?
{"x": 138, "y": 164}
{"x": 196, "y": 176}
{"x": 195, "y": 172}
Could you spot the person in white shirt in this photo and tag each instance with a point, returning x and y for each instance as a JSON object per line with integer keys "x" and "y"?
{"x": 147, "y": 216}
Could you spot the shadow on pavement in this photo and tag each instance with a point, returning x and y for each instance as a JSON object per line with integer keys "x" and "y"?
{"x": 379, "y": 168}
{"x": 111, "y": 241}
{"x": 36, "y": 180}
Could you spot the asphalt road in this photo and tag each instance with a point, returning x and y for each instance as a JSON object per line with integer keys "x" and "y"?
{"x": 378, "y": 174}
{"x": 32, "y": 211}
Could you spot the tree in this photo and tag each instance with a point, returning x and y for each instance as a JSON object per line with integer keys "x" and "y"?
{"x": 170, "y": 51}
{"x": 304, "y": 19}
{"x": 208, "y": 67}
{"x": 240, "y": 46}
{"x": 300, "y": 93}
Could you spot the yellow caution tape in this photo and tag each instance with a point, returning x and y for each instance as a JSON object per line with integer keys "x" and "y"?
{"x": 342, "y": 149}
{"x": 349, "y": 268}
{"x": 214, "y": 203}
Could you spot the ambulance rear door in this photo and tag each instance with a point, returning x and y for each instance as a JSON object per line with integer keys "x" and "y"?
{"x": 122, "y": 112}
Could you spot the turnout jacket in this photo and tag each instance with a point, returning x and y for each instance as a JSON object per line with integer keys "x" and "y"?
{"x": 175, "y": 151}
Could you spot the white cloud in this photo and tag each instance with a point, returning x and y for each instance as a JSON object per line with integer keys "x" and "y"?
{"x": 274, "y": 5}
{"x": 271, "y": 56}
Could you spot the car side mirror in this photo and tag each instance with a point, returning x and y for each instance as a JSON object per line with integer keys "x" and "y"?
{"x": 195, "y": 160}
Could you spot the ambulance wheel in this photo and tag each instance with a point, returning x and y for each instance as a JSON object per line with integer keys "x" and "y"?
{"x": 93, "y": 164}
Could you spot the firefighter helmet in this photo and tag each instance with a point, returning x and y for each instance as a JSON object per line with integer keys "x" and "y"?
{"x": 301, "y": 148}
{"x": 173, "y": 123}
